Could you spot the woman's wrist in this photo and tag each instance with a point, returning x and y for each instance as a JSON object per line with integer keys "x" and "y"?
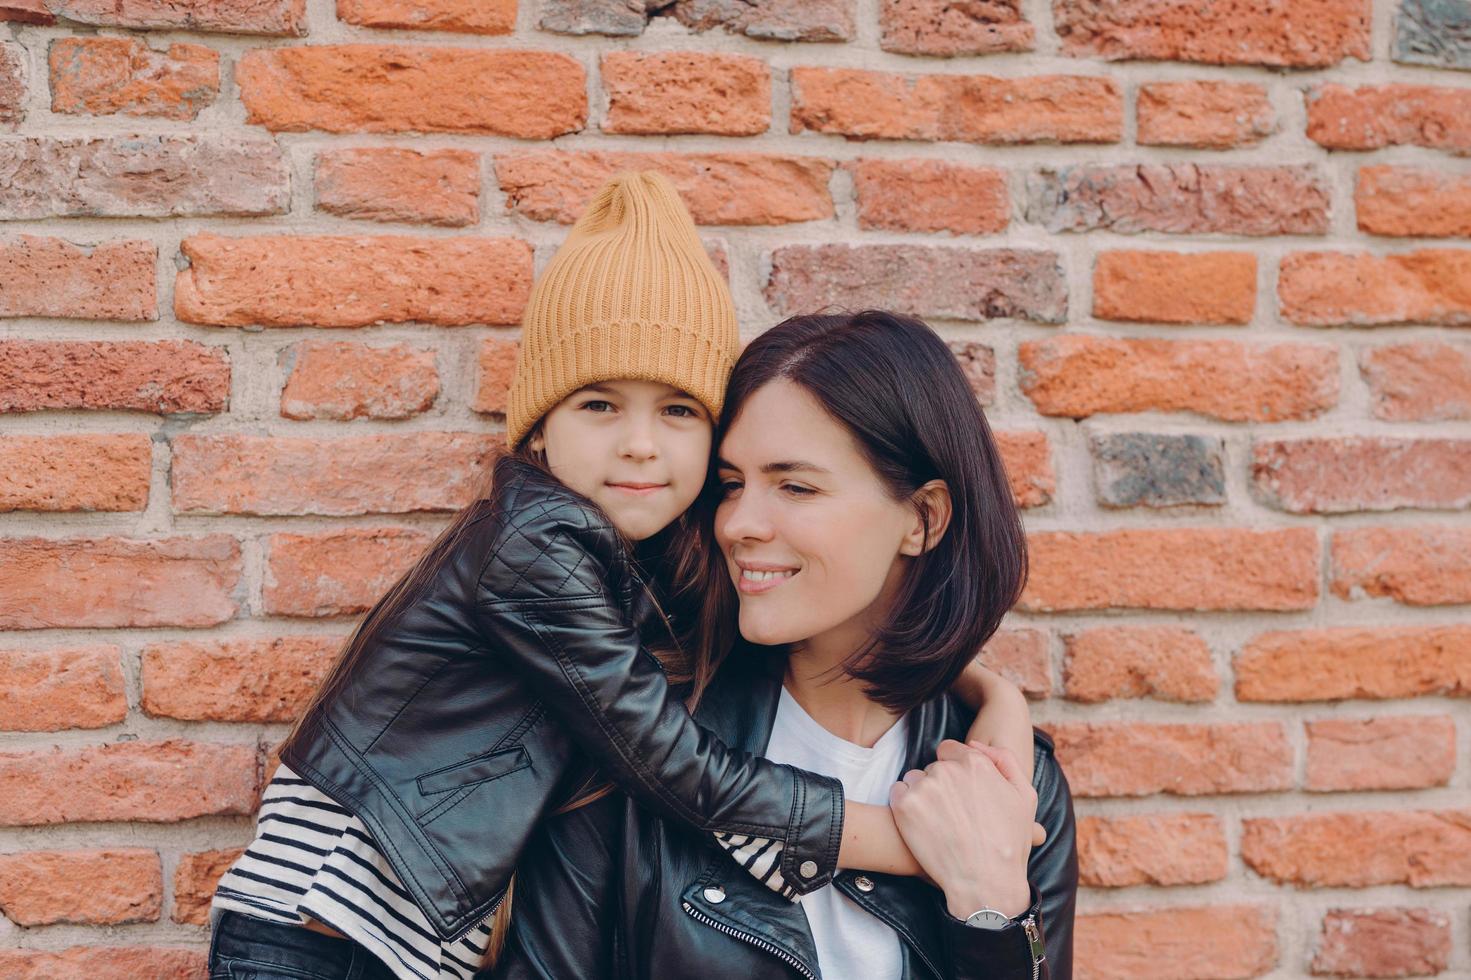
{"x": 962, "y": 901}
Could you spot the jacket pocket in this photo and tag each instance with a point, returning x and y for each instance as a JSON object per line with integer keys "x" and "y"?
{"x": 481, "y": 769}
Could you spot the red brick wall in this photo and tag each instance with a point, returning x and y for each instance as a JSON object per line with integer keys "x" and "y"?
{"x": 1206, "y": 263}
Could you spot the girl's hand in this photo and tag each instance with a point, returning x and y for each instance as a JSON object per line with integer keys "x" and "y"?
{"x": 967, "y": 819}
{"x": 1003, "y": 719}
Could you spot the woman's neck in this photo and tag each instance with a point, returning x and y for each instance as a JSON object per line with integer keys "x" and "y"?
{"x": 815, "y": 678}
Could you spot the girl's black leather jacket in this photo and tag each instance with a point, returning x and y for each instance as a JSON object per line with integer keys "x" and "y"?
{"x": 453, "y": 735}
{"x": 611, "y": 891}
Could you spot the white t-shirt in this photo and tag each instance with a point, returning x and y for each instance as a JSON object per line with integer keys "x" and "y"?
{"x": 850, "y": 941}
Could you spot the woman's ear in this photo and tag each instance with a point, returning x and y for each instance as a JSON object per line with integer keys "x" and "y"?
{"x": 931, "y": 517}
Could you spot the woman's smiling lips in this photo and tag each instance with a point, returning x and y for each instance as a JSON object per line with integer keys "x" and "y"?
{"x": 757, "y": 577}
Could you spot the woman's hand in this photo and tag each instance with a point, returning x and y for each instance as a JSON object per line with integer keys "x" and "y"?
{"x": 967, "y": 818}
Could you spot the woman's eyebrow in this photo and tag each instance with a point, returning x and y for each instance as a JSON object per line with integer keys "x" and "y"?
{"x": 784, "y": 466}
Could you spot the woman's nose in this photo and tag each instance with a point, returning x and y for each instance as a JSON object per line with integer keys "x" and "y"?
{"x": 743, "y": 518}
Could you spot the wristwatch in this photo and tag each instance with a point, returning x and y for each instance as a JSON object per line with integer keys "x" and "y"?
{"x": 994, "y": 921}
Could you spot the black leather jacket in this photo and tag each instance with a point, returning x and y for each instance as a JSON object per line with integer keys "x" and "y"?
{"x": 611, "y": 891}
{"x": 453, "y": 735}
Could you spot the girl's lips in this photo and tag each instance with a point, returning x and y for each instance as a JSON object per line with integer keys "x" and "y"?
{"x": 640, "y": 489}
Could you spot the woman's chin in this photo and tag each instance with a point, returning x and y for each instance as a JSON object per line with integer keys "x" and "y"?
{"x": 766, "y": 634}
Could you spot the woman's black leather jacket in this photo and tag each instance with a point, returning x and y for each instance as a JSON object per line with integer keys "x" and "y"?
{"x": 611, "y": 891}
{"x": 453, "y": 734}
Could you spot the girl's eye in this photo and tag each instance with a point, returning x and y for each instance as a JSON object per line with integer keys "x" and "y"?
{"x": 684, "y": 411}
{"x": 598, "y": 405}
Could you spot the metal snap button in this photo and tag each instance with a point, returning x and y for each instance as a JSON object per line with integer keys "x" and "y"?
{"x": 808, "y": 869}
{"x": 864, "y": 883}
{"x": 714, "y": 894}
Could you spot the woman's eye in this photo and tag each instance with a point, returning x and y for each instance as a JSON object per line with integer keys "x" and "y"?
{"x": 598, "y": 405}
{"x": 728, "y": 487}
{"x": 798, "y": 490}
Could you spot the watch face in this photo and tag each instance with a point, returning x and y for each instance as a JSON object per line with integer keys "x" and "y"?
{"x": 988, "y": 919}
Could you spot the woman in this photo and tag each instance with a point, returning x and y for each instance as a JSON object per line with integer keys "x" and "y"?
{"x": 865, "y": 519}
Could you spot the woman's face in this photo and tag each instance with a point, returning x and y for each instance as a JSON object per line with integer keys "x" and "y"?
{"x": 811, "y": 536}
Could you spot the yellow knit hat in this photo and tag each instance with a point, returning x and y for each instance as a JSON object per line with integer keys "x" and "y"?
{"x": 630, "y": 294}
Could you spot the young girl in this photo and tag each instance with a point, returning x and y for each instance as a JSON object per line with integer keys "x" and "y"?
{"x": 515, "y": 646}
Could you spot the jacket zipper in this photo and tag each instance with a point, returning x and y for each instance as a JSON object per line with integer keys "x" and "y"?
{"x": 494, "y": 908}
{"x": 1034, "y": 944}
{"x": 756, "y": 941}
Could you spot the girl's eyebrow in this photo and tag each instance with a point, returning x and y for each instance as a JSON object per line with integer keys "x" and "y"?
{"x": 784, "y": 466}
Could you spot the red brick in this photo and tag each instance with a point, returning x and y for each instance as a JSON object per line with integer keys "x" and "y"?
{"x": 135, "y": 583}
{"x": 195, "y": 879}
{"x": 395, "y": 88}
{"x": 978, "y": 362}
{"x": 1355, "y": 662}
{"x": 460, "y": 16}
{"x": 1022, "y": 657}
{"x": 1209, "y": 115}
{"x": 1151, "y": 849}
{"x": 339, "y": 380}
{"x": 1340, "y": 289}
{"x": 718, "y": 188}
{"x": 1380, "y": 753}
{"x": 60, "y": 472}
{"x": 1422, "y": 849}
{"x": 1367, "y": 117}
{"x": 52, "y": 277}
{"x": 1420, "y": 381}
{"x": 1413, "y": 202}
{"x": 775, "y": 20}
{"x": 377, "y": 474}
{"x": 57, "y": 689}
{"x": 1419, "y": 566}
{"x": 341, "y": 281}
{"x": 1351, "y": 473}
{"x": 439, "y": 187}
{"x": 274, "y": 17}
{"x": 1218, "y": 942}
{"x": 26, "y": 12}
{"x": 338, "y": 573}
{"x": 1315, "y": 34}
{"x": 495, "y": 367}
{"x": 1203, "y": 568}
{"x": 971, "y": 108}
{"x": 166, "y": 377}
{"x": 1175, "y": 287}
{"x": 1181, "y": 199}
{"x": 104, "y": 963}
{"x": 267, "y": 680}
{"x": 1028, "y": 461}
{"x": 107, "y": 887}
{"x": 1164, "y": 662}
{"x": 12, "y": 82}
{"x": 658, "y": 92}
{"x": 1077, "y": 375}
{"x": 142, "y": 176}
{"x": 1136, "y": 759}
{"x": 146, "y": 782}
{"x": 946, "y": 29}
{"x": 1383, "y": 943}
{"x": 105, "y": 75}
{"x": 919, "y": 280}
{"x": 930, "y": 195}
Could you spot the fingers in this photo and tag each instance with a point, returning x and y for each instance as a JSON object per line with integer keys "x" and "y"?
{"x": 1039, "y": 834}
{"x": 953, "y": 751}
{"x": 1006, "y": 764}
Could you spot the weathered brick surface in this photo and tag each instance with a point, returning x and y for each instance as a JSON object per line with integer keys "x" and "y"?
{"x": 113, "y": 280}
{"x": 109, "y": 887}
{"x": 274, "y": 17}
{"x": 12, "y": 84}
{"x": 461, "y": 16}
{"x": 1367, "y": 117}
{"x": 1175, "y": 287}
{"x": 946, "y": 29}
{"x": 105, "y": 963}
{"x": 686, "y": 92}
{"x": 1341, "y": 288}
{"x": 166, "y": 377}
{"x": 978, "y": 363}
{"x": 1078, "y": 375}
{"x": 718, "y": 188}
{"x": 66, "y": 687}
{"x": 99, "y": 76}
{"x": 920, "y": 280}
{"x": 1432, "y": 32}
{"x": 235, "y": 680}
{"x": 1380, "y": 753}
{"x": 368, "y": 88}
{"x": 1211, "y": 115}
{"x": 1413, "y": 201}
{"x": 1419, "y": 848}
{"x": 972, "y": 108}
{"x": 774, "y": 20}
{"x": 75, "y": 472}
{"x": 927, "y": 195}
{"x": 1163, "y": 662}
{"x": 337, "y": 573}
{"x": 1355, "y": 662}
{"x": 195, "y": 879}
{"x": 1021, "y": 656}
{"x": 141, "y": 177}
{"x": 437, "y": 187}
{"x": 495, "y": 367}
{"x": 1142, "y": 469}
{"x": 1301, "y": 35}
{"x": 1160, "y": 568}
{"x": 1419, "y": 381}
{"x": 1341, "y": 475}
{"x": 342, "y": 380}
{"x": 177, "y": 581}
{"x": 1027, "y": 457}
{"x": 1137, "y": 759}
{"x": 1218, "y": 942}
{"x": 1426, "y": 565}
{"x": 351, "y": 281}
{"x": 1383, "y": 942}
{"x": 1151, "y": 849}
{"x": 1183, "y": 198}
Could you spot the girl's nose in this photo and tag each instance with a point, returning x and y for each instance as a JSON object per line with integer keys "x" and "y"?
{"x": 637, "y": 440}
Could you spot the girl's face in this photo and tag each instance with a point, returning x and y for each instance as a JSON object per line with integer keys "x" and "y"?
{"x": 638, "y": 449}
{"x": 812, "y": 537}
